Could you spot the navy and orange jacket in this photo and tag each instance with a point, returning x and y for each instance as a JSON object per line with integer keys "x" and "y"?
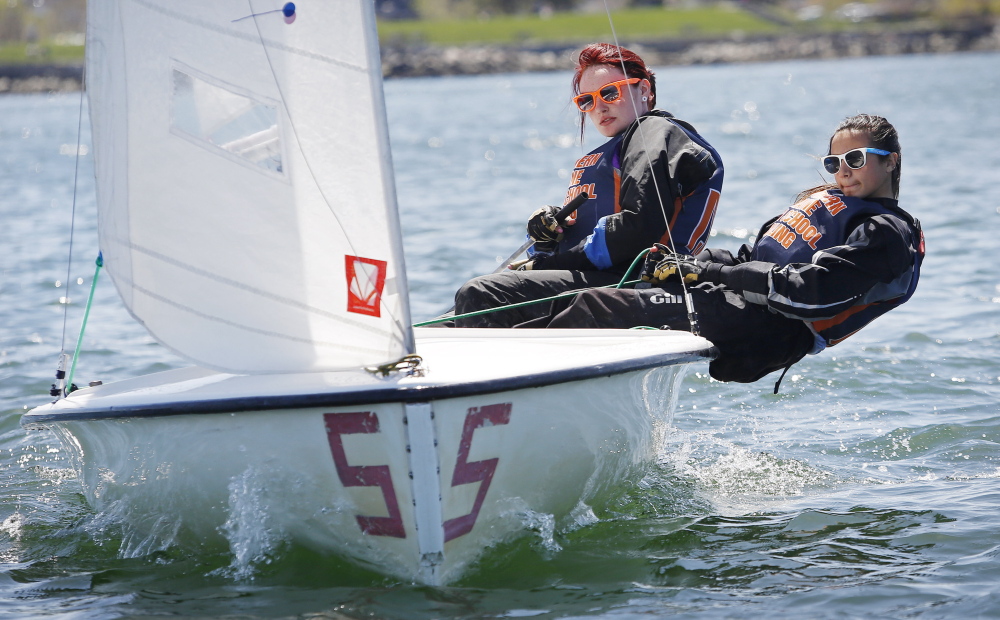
{"x": 833, "y": 261}
{"x": 658, "y": 172}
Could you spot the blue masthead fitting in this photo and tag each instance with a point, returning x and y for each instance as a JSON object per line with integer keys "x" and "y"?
{"x": 288, "y": 11}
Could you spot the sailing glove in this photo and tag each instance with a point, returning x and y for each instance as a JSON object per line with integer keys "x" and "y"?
{"x": 543, "y": 227}
{"x": 662, "y": 264}
{"x": 522, "y": 265}
{"x": 653, "y": 257}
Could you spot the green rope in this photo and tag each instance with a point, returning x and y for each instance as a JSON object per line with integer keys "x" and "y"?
{"x": 86, "y": 314}
{"x": 628, "y": 271}
{"x": 624, "y": 282}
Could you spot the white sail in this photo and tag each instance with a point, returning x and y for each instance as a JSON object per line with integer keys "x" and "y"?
{"x": 246, "y": 203}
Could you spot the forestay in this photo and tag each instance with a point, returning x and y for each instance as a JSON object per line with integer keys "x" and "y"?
{"x": 246, "y": 203}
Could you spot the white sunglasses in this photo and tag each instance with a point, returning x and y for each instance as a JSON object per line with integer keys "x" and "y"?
{"x": 854, "y": 159}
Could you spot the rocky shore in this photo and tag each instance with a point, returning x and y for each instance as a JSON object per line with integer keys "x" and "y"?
{"x": 431, "y": 61}
{"x": 412, "y": 61}
{"x": 39, "y": 78}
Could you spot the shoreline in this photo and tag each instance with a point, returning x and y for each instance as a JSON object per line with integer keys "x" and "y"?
{"x": 428, "y": 61}
{"x": 439, "y": 61}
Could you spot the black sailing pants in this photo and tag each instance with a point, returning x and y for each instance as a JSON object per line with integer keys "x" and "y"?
{"x": 510, "y": 287}
{"x": 752, "y": 340}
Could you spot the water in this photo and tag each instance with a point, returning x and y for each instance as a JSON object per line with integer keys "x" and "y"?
{"x": 867, "y": 488}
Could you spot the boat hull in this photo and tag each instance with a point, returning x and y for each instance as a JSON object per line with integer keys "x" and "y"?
{"x": 415, "y": 488}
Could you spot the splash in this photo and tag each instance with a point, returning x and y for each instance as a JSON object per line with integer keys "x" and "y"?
{"x": 11, "y": 526}
{"x": 252, "y": 539}
{"x": 582, "y": 516}
{"x": 734, "y": 478}
{"x": 161, "y": 537}
{"x": 11, "y": 529}
{"x": 138, "y": 537}
{"x": 744, "y": 472}
{"x": 545, "y": 526}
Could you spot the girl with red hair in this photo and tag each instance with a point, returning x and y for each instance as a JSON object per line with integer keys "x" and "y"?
{"x": 655, "y": 180}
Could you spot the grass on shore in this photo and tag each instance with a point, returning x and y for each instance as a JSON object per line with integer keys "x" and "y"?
{"x": 632, "y": 24}
{"x": 638, "y": 24}
{"x": 40, "y": 54}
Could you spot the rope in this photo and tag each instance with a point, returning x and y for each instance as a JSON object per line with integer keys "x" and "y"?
{"x": 72, "y": 218}
{"x": 623, "y": 282}
{"x": 83, "y": 327}
{"x": 688, "y": 302}
{"x": 59, "y": 385}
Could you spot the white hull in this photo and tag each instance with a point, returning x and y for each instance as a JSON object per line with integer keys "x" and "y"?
{"x": 412, "y": 476}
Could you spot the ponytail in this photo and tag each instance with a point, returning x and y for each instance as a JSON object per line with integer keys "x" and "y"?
{"x": 882, "y": 134}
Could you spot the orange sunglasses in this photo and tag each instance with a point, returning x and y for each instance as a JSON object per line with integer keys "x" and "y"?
{"x": 610, "y": 93}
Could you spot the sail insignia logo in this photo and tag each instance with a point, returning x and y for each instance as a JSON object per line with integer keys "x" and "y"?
{"x": 365, "y": 281}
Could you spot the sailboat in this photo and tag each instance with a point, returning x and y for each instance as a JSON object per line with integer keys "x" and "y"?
{"x": 247, "y": 217}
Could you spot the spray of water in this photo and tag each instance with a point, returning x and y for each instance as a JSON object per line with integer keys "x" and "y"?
{"x": 253, "y": 539}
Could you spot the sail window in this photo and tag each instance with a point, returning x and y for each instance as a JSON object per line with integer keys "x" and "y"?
{"x": 217, "y": 117}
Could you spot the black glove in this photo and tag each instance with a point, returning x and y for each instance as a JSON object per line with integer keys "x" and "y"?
{"x": 546, "y": 247}
{"x": 668, "y": 264}
{"x": 543, "y": 227}
{"x": 655, "y": 255}
{"x": 526, "y": 264}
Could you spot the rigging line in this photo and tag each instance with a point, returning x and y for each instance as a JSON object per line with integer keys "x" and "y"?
{"x": 308, "y": 163}
{"x": 72, "y": 219}
{"x": 524, "y": 304}
{"x": 623, "y": 282}
{"x": 83, "y": 327}
{"x": 228, "y": 32}
{"x": 688, "y": 302}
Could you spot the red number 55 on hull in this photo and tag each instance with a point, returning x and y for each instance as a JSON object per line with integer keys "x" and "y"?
{"x": 413, "y": 476}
